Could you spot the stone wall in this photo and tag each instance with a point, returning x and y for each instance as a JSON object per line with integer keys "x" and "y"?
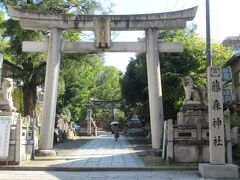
{"x": 21, "y": 145}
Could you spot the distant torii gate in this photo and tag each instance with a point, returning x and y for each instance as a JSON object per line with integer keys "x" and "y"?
{"x": 102, "y": 25}
{"x": 91, "y": 104}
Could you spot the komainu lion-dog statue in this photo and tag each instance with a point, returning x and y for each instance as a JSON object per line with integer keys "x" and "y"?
{"x": 193, "y": 94}
{"x": 6, "y": 100}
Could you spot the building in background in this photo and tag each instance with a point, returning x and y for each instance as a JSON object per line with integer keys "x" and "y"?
{"x": 231, "y": 73}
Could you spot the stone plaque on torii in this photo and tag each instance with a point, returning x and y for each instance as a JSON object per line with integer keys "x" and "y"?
{"x": 102, "y": 25}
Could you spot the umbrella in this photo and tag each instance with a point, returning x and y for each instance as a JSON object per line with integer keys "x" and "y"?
{"x": 114, "y": 123}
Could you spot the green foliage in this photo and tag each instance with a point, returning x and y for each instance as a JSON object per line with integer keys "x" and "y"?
{"x": 18, "y": 99}
{"x": 119, "y": 116}
{"x": 136, "y": 71}
{"x": 154, "y": 161}
{"x": 235, "y": 120}
{"x": 33, "y": 64}
{"x": 82, "y": 77}
{"x": 174, "y": 66}
{"x": 61, "y": 6}
{"x": 134, "y": 87}
{"x": 66, "y": 114}
{"x": 3, "y": 43}
{"x": 172, "y": 86}
{"x": 107, "y": 82}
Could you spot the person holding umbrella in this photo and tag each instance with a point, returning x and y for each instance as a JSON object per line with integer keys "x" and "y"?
{"x": 115, "y": 130}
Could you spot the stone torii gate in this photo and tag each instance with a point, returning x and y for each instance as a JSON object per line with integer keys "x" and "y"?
{"x": 102, "y": 25}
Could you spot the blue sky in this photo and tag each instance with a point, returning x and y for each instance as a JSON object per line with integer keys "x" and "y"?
{"x": 224, "y": 20}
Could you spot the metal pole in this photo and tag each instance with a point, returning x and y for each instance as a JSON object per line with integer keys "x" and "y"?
{"x": 208, "y": 37}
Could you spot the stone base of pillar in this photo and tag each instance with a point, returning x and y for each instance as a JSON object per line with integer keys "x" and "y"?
{"x": 45, "y": 153}
{"x": 224, "y": 171}
{"x": 154, "y": 152}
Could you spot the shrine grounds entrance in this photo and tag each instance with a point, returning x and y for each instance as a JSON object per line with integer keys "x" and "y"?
{"x": 102, "y": 25}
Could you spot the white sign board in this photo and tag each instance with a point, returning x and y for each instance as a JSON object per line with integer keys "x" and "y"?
{"x": 215, "y": 116}
{"x": 5, "y": 127}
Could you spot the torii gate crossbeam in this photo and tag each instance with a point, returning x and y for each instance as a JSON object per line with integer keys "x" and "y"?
{"x": 102, "y": 25}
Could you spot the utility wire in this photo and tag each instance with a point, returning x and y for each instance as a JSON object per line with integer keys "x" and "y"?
{"x": 166, "y": 6}
{"x": 217, "y": 19}
{"x": 175, "y": 5}
{"x": 184, "y": 4}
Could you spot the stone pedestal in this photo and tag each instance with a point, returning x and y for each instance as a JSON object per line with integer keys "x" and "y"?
{"x": 85, "y": 130}
{"x": 225, "y": 171}
{"x": 134, "y": 127}
{"x": 188, "y": 139}
{"x": 193, "y": 116}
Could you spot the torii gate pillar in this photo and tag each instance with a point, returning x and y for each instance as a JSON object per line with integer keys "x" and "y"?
{"x": 50, "y": 93}
{"x": 154, "y": 88}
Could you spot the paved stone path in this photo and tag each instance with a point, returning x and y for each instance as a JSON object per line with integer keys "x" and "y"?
{"x": 100, "y": 152}
{"x": 123, "y": 175}
{"x": 97, "y": 153}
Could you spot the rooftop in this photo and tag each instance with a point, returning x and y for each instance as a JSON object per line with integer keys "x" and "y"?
{"x": 231, "y": 40}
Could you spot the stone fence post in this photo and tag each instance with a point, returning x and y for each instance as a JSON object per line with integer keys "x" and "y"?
{"x": 228, "y": 136}
{"x": 18, "y": 141}
{"x": 170, "y": 140}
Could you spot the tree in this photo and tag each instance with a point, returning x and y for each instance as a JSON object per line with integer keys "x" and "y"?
{"x": 82, "y": 77}
{"x": 77, "y": 81}
{"x": 134, "y": 87}
{"x": 108, "y": 89}
{"x": 174, "y": 66}
{"x": 3, "y": 43}
{"x": 108, "y": 83}
{"x": 33, "y": 64}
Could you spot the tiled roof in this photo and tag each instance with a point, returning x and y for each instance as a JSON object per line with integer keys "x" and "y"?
{"x": 230, "y": 40}
{"x": 235, "y": 57}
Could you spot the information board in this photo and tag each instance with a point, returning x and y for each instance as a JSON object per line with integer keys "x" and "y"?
{"x": 5, "y": 127}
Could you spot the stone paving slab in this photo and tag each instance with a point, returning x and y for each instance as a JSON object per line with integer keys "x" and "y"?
{"x": 102, "y": 151}
{"x": 113, "y": 175}
{"x": 101, "y": 158}
{"x": 143, "y": 175}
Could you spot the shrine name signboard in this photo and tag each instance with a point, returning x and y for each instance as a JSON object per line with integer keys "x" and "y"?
{"x": 215, "y": 116}
{"x": 5, "y": 127}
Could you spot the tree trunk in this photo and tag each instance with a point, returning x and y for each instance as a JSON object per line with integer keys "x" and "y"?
{"x": 30, "y": 97}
